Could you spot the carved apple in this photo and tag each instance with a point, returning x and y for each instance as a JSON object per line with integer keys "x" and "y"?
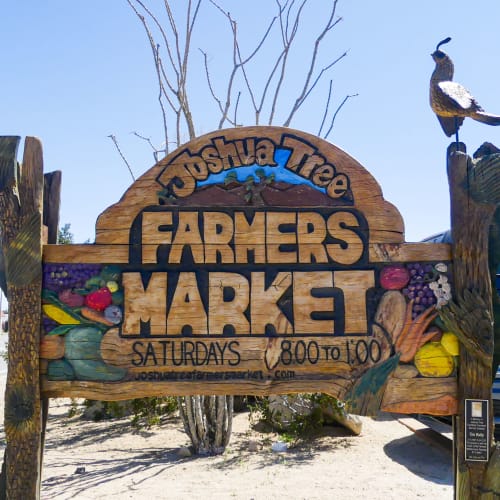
{"x": 394, "y": 277}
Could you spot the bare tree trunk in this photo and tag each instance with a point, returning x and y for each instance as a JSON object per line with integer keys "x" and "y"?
{"x": 208, "y": 422}
{"x": 208, "y": 419}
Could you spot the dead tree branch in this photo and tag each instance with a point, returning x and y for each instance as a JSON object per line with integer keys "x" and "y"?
{"x": 339, "y": 107}
{"x": 289, "y": 17}
{"x": 156, "y": 151}
{"x": 115, "y": 142}
{"x": 308, "y": 87}
{"x": 239, "y": 64}
{"x": 172, "y": 88}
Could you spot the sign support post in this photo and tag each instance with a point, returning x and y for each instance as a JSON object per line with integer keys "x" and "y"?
{"x": 21, "y": 194}
{"x": 254, "y": 260}
{"x": 473, "y": 197}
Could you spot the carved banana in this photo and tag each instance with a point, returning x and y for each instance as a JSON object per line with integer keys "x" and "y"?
{"x": 61, "y": 316}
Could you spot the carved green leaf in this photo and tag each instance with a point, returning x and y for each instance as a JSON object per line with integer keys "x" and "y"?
{"x": 365, "y": 396}
{"x": 61, "y": 330}
{"x": 23, "y": 256}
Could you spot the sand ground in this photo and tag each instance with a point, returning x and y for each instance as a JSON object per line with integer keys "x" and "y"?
{"x": 109, "y": 459}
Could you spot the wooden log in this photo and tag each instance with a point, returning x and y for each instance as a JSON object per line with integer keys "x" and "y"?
{"x": 137, "y": 389}
{"x": 119, "y": 253}
{"x": 21, "y": 227}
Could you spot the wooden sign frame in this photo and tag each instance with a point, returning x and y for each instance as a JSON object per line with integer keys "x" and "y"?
{"x": 255, "y": 260}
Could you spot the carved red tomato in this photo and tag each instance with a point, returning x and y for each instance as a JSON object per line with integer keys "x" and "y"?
{"x": 99, "y": 300}
{"x": 394, "y": 277}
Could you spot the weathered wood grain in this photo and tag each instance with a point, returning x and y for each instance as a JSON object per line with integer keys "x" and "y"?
{"x": 147, "y": 304}
{"x": 264, "y": 310}
{"x": 345, "y": 356}
{"x": 119, "y": 253}
{"x": 137, "y": 389}
{"x": 268, "y": 275}
{"x": 437, "y": 396}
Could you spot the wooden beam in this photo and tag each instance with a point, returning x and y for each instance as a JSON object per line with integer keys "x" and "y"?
{"x": 119, "y": 253}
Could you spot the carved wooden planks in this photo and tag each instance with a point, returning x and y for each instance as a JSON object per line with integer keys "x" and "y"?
{"x": 255, "y": 260}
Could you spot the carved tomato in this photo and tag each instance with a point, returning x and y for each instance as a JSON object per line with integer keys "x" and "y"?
{"x": 394, "y": 277}
{"x": 99, "y": 300}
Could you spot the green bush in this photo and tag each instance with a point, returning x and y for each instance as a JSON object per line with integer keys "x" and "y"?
{"x": 143, "y": 412}
{"x": 148, "y": 411}
{"x": 303, "y": 415}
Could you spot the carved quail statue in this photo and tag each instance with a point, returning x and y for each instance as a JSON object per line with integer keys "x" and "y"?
{"x": 451, "y": 101}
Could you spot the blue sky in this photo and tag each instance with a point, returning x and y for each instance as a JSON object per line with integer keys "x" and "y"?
{"x": 74, "y": 72}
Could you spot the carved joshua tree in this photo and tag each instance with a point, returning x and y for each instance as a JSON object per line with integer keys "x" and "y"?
{"x": 21, "y": 188}
{"x": 475, "y": 195}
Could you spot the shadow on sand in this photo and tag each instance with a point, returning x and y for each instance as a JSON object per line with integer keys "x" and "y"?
{"x": 429, "y": 462}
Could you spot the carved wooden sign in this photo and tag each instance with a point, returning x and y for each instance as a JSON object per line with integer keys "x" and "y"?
{"x": 253, "y": 260}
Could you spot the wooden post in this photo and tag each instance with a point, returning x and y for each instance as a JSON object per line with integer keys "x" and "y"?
{"x": 469, "y": 315}
{"x": 51, "y": 204}
{"x": 21, "y": 193}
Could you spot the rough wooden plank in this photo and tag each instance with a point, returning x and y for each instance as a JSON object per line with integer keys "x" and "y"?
{"x": 136, "y": 389}
{"x": 187, "y": 308}
{"x": 410, "y": 252}
{"x": 147, "y": 304}
{"x": 119, "y": 253}
{"x": 304, "y": 305}
{"x": 86, "y": 254}
{"x": 437, "y": 396}
{"x": 258, "y": 270}
{"x": 264, "y": 311}
{"x": 345, "y": 356}
{"x": 224, "y": 313}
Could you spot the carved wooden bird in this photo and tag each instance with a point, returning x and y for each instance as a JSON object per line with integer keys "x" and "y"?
{"x": 451, "y": 101}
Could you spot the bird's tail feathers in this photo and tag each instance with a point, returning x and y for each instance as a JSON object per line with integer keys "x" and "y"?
{"x": 481, "y": 116}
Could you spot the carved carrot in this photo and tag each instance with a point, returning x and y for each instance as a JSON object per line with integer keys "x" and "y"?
{"x": 415, "y": 333}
